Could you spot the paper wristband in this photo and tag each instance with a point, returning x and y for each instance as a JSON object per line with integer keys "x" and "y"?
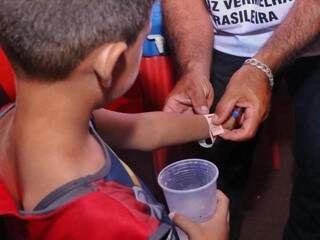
{"x": 214, "y": 130}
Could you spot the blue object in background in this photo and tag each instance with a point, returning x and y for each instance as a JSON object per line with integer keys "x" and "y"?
{"x": 154, "y": 45}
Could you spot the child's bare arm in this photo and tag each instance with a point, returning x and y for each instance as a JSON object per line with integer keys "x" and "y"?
{"x": 151, "y": 130}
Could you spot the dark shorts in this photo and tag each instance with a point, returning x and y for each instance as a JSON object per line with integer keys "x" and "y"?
{"x": 303, "y": 79}
{"x": 233, "y": 159}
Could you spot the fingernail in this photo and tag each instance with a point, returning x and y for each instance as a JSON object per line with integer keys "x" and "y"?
{"x": 171, "y": 215}
{"x": 204, "y": 110}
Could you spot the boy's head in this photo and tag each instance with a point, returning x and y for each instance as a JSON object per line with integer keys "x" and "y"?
{"x": 48, "y": 39}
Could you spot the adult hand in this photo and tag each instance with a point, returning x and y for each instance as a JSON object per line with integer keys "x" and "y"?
{"x": 249, "y": 89}
{"x": 217, "y": 228}
{"x": 192, "y": 94}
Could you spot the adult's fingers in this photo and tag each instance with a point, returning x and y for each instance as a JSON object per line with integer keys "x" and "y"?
{"x": 199, "y": 100}
{"x": 178, "y": 103}
{"x": 191, "y": 228}
{"x": 208, "y": 90}
{"x": 173, "y": 106}
{"x": 224, "y": 109}
{"x": 210, "y": 97}
{"x": 248, "y": 128}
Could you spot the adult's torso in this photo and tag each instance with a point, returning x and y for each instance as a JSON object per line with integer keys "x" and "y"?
{"x": 243, "y": 26}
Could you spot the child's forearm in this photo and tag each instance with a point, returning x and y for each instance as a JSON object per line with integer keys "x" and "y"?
{"x": 151, "y": 130}
{"x": 171, "y": 129}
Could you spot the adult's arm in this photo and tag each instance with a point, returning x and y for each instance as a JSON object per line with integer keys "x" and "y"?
{"x": 190, "y": 33}
{"x": 248, "y": 87}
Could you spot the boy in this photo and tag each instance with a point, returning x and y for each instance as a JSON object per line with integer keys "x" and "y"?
{"x": 58, "y": 178}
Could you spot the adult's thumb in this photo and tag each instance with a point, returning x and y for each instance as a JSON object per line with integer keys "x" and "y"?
{"x": 224, "y": 109}
{"x": 199, "y": 101}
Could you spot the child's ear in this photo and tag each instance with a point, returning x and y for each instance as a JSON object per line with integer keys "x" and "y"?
{"x": 106, "y": 61}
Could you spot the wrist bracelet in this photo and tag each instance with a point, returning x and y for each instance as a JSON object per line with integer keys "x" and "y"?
{"x": 263, "y": 67}
{"x": 214, "y": 130}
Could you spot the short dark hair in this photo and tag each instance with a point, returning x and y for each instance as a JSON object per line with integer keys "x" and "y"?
{"x": 49, "y": 38}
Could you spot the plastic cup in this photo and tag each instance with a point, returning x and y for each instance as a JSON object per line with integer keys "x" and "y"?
{"x": 190, "y": 188}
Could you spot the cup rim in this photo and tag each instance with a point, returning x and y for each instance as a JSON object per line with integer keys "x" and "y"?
{"x": 214, "y": 179}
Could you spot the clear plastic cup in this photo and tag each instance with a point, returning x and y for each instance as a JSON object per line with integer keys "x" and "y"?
{"x": 190, "y": 188}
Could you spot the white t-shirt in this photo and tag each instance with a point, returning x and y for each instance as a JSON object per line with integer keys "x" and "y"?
{"x": 243, "y": 26}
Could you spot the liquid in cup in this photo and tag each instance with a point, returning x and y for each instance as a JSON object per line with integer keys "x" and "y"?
{"x": 190, "y": 188}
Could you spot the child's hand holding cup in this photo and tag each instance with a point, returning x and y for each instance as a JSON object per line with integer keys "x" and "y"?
{"x": 190, "y": 189}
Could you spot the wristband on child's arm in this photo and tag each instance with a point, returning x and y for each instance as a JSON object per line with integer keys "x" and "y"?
{"x": 214, "y": 131}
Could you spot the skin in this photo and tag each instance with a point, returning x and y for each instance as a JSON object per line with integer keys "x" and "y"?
{"x": 248, "y": 87}
{"x": 216, "y": 228}
{"x": 99, "y": 81}
{"x": 193, "y": 55}
{"x": 45, "y": 141}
